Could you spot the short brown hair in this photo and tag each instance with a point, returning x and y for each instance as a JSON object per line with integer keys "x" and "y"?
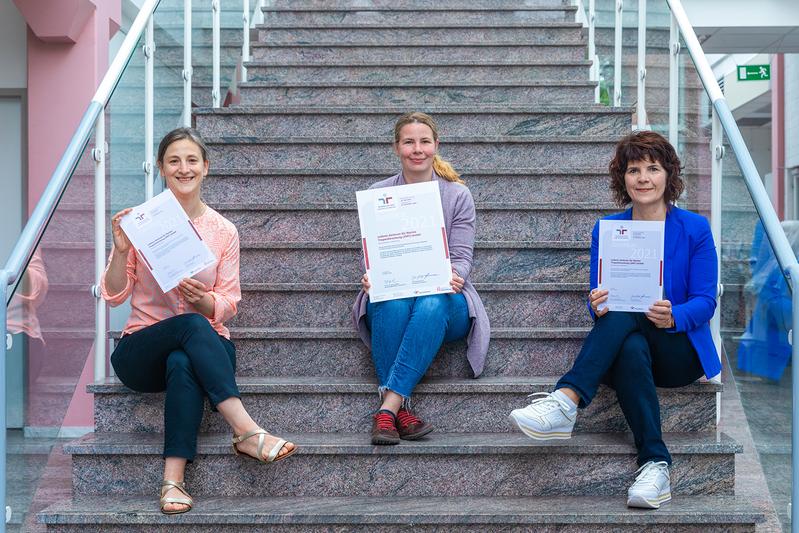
{"x": 179, "y": 134}
{"x": 639, "y": 146}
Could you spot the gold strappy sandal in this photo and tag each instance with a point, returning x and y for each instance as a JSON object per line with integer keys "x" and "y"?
{"x": 272, "y": 457}
{"x": 166, "y": 486}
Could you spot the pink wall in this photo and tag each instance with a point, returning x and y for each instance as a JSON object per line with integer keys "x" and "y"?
{"x": 62, "y": 75}
{"x": 67, "y": 58}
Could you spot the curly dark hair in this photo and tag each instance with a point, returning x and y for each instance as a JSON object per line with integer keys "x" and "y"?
{"x": 645, "y": 145}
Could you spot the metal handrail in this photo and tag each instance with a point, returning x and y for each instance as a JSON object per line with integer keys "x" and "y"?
{"x": 48, "y": 202}
{"x": 765, "y": 210}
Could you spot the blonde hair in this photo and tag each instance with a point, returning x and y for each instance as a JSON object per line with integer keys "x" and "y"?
{"x": 441, "y": 167}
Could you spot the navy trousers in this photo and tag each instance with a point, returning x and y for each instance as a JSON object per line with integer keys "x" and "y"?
{"x": 633, "y": 356}
{"x": 184, "y": 356}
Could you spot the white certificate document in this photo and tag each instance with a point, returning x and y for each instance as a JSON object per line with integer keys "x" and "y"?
{"x": 630, "y": 264}
{"x": 404, "y": 241}
{"x": 166, "y": 240}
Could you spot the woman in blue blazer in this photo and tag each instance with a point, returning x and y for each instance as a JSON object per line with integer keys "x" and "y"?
{"x": 669, "y": 346}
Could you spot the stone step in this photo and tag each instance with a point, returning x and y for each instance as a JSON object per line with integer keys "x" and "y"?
{"x": 415, "y": 93}
{"x": 340, "y": 404}
{"x": 494, "y": 262}
{"x": 441, "y": 73}
{"x": 339, "y": 352}
{"x": 380, "y": 52}
{"x": 233, "y": 35}
{"x": 329, "y": 464}
{"x": 416, "y": 4}
{"x": 524, "y": 151}
{"x": 711, "y": 514}
{"x": 404, "y": 16}
{"x": 452, "y": 121}
{"x": 566, "y": 185}
{"x": 201, "y": 53}
{"x": 261, "y": 223}
{"x": 509, "y": 305}
{"x": 292, "y": 186}
{"x": 171, "y": 18}
{"x": 453, "y": 32}
{"x": 168, "y": 95}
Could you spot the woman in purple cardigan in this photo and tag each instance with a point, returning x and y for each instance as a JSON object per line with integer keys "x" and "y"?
{"x": 405, "y": 335}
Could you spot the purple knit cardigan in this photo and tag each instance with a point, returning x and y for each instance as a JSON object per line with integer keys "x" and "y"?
{"x": 459, "y": 218}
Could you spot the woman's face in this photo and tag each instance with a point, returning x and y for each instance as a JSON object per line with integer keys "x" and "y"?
{"x": 183, "y": 168}
{"x": 645, "y": 181}
{"x": 416, "y": 148}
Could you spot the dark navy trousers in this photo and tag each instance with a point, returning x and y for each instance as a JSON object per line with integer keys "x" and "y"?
{"x": 633, "y": 356}
{"x": 184, "y": 356}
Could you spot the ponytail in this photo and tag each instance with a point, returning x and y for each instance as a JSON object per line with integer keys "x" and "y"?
{"x": 444, "y": 170}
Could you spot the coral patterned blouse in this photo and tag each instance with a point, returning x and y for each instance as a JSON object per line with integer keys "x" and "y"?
{"x": 150, "y": 305}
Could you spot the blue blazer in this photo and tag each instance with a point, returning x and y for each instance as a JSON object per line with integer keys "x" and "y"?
{"x": 690, "y": 278}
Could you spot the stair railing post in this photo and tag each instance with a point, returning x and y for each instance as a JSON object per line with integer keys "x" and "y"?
{"x": 245, "y": 43}
{"x": 215, "y": 24}
{"x": 98, "y": 154}
{"x": 4, "y": 281}
{"x": 640, "y": 80}
{"x": 594, "y": 74}
{"x": 187, "y": 63}
{"x": 617, "y": 54}
{"x": 717, "y": 151}
{"x": 674, "y": 82}
{"x": 147, "y": 165}
{"x": 793, "y": 271}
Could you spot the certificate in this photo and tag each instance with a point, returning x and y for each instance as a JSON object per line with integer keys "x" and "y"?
{"x": 166, "y": 240}
{"x": 404, "y": 241}
{"x": 630, "y": 264}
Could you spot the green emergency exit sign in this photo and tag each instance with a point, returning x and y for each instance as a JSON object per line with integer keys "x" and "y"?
{"x": 754, "y": 72}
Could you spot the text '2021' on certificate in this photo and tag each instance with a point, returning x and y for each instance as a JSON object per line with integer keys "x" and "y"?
{"x": 630, "y": 264}
{"x": 166, "y": 240}
{"x": 404, "y": 241}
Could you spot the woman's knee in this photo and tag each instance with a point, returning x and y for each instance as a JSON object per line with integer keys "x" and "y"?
{"x": 634, "y": 355}
{"x": 194, "y": 321}
{"x": 178, "y": 364}
{"x": 433, "y": 305}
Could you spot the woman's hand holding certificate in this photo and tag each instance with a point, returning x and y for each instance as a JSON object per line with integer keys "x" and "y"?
{"x": 166, "y": 240}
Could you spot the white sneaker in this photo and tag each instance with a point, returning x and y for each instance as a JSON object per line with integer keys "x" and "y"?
{"x": 652, "y": 487}
{"x": 546, "y": 418}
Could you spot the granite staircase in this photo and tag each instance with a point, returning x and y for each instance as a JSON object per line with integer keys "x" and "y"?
{"x": 507, "y": 82}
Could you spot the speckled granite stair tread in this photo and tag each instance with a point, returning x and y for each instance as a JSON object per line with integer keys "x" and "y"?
{"x": 413, "y": 44}
{"x": 431, "y": 8}
{"x": 439, "y": 385}
{"x": 419, "y": 4}
{"x": 438, "y": 443}
{"x": 254, "y": 84}
{"x": 422, "y": 63}
{"x": 349, "y": 333}
{"x": 422, "y": 24}
{"x": 476, "y": 109}
{"x": 409, "y": 511}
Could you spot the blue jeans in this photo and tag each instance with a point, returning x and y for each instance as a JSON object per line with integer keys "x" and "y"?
{"x": 630, "y": 354}
{"x": 407, "y": 333}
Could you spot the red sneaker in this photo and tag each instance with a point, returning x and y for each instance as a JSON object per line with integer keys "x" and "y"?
{"x": 384, "y": 428}
{"x": 410, "y": 427}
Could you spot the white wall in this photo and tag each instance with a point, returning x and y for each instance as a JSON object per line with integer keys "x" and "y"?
{"x": 13, "y": 47}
